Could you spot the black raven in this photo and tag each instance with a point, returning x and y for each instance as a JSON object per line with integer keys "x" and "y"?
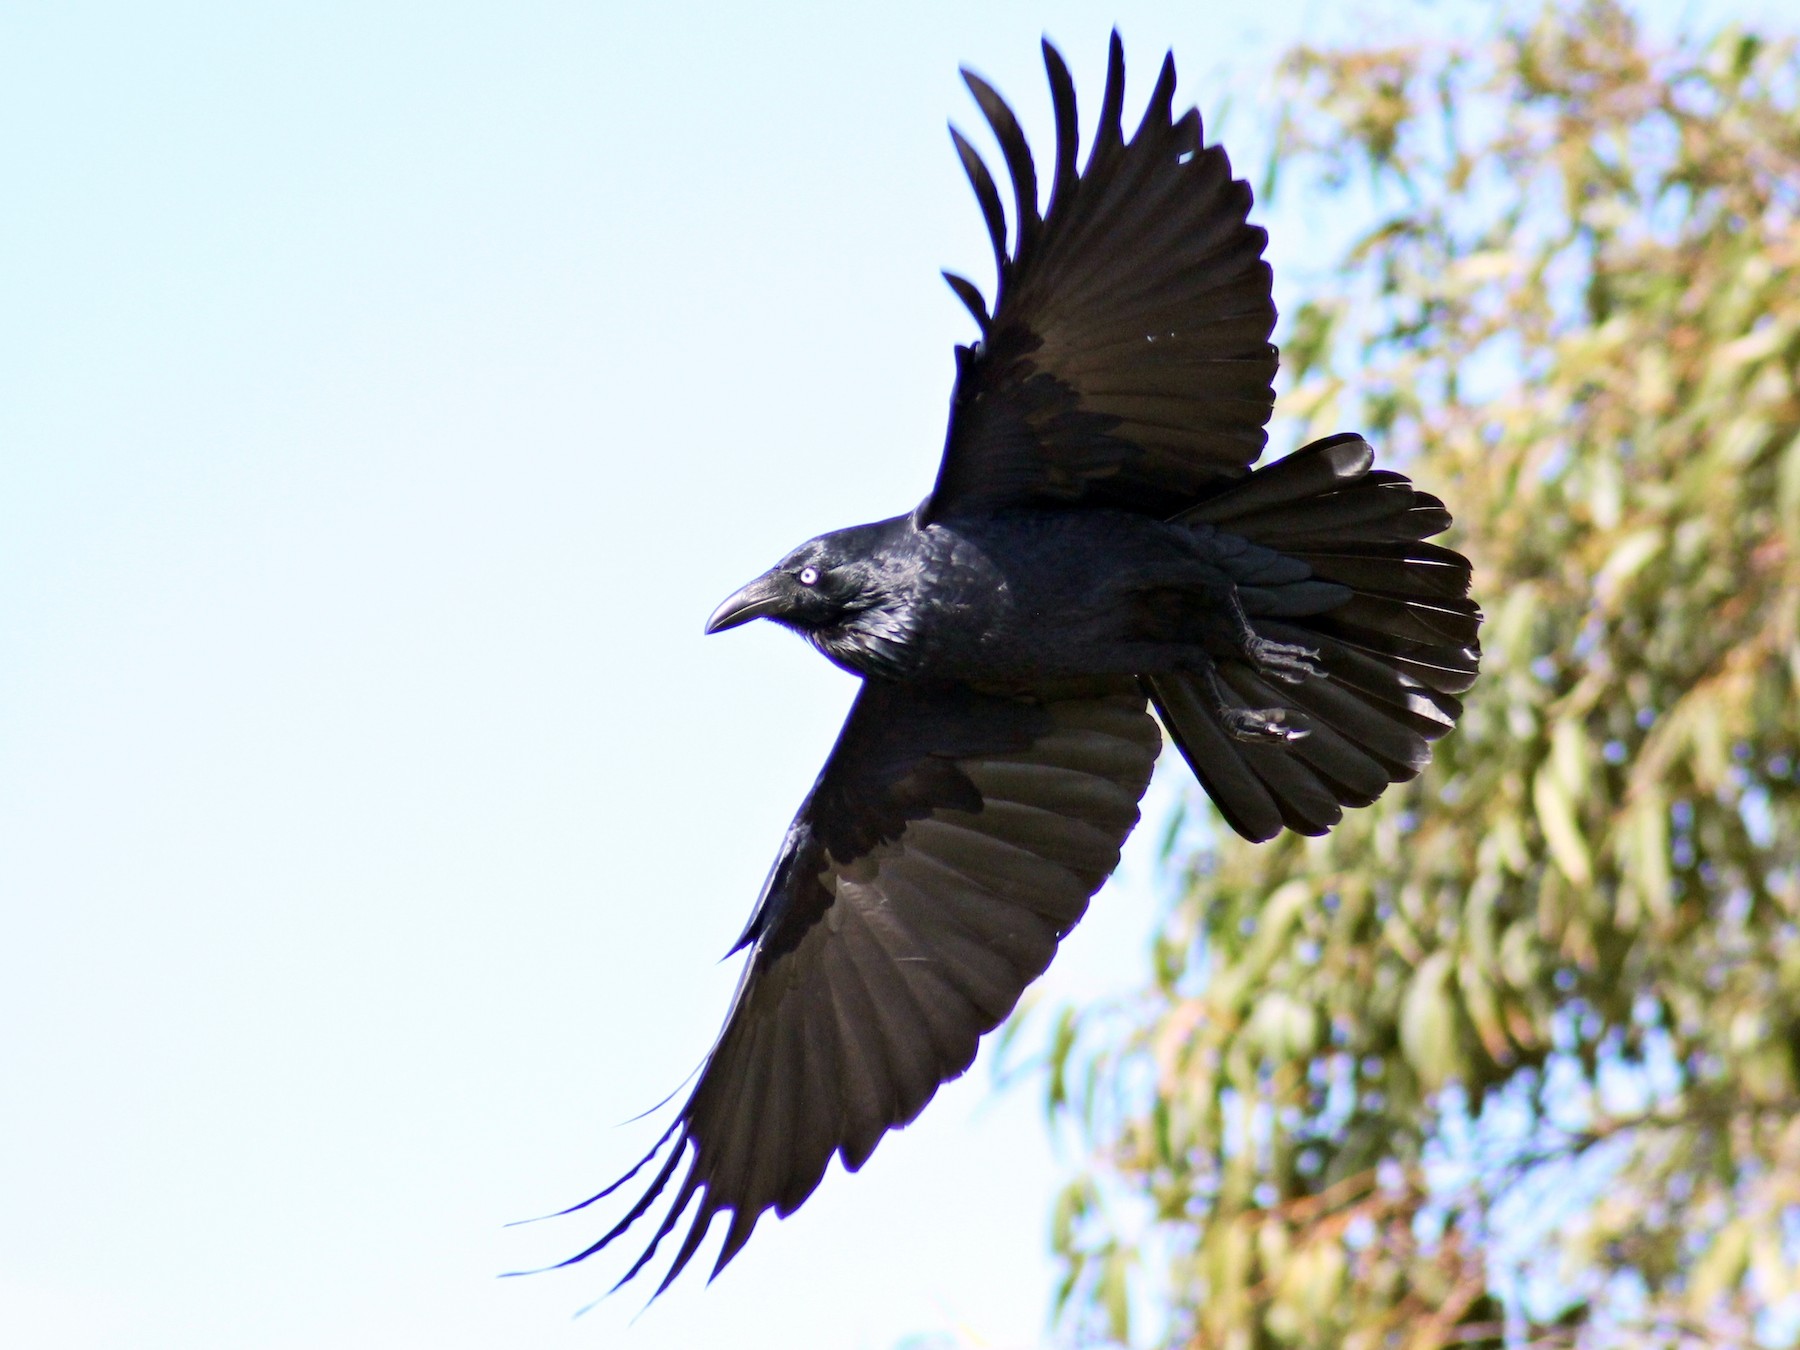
{"x": 1096, "y": 542}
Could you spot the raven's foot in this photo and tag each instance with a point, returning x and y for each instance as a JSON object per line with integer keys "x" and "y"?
{"x": 1288, "y": 662}
{"x": 1263, "y": 726}
{"x": 1257, "y": 726}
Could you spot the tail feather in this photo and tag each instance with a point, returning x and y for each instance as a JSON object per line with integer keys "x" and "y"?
{"x": 1365, "y": 513}
{"x": 1439, "y": 667}
{"x": 1394, "y": 652}
{"x": 1248, "y": 803}
{"x": 1311, "y": 470}
{"x": 1430, "y": 622}
{"x": 1402, "y": 569}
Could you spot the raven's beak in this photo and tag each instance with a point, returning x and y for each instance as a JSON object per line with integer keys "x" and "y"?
{"x": 765, "y": 595}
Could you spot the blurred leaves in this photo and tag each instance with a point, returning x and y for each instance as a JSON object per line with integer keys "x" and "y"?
{"x": 1514, "y": 1055}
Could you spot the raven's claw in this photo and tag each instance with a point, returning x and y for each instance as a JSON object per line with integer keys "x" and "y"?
{"x": 1263, "y": 726}
{"x": 1288, "y": 662}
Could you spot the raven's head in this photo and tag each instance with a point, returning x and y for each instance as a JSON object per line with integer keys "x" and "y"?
{"x": 821, "y": 585}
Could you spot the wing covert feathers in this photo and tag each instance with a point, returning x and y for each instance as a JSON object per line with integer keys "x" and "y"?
{"x": 1126, "y": 359}
{"x": 952, "y": 840}
{"x": 1395, "y": 654}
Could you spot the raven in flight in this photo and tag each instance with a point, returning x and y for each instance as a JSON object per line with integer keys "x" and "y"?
{"x": 1096, "y": 542}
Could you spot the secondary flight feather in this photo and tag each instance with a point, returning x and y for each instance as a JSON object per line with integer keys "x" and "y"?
{"x": 1096, "y": 544}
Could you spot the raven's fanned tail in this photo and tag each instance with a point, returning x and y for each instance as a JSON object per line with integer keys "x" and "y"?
{"x": 1394, "y": 655}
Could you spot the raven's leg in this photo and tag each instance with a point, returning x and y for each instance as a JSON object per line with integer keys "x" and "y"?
{"x": 1285, "y": 661}
{"x": 1258, "y": 725}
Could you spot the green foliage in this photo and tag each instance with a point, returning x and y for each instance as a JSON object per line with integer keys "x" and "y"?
{"x": 1514, "y": 1055}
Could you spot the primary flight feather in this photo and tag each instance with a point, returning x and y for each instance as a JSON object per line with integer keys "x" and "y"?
{"x": 1096, "y": 543}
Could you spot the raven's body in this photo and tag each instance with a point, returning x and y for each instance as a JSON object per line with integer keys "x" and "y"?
{"x": 1014, "y": 597}
{"x": 1096, "y": 543}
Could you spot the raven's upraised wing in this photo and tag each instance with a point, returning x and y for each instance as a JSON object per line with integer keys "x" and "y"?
{"x": 952, "y": 839}
{"x": 1127, "y": 360}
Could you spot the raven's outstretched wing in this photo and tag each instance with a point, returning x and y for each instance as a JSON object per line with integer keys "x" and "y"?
{"x": 1127, "y": 360}
{"x": 950, "y": 842}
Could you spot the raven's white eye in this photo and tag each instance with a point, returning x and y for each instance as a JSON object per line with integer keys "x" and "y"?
{"x": 809, "y": 576}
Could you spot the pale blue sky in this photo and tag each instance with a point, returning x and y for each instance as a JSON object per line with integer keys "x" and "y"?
{"x": 390, "y": 392}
